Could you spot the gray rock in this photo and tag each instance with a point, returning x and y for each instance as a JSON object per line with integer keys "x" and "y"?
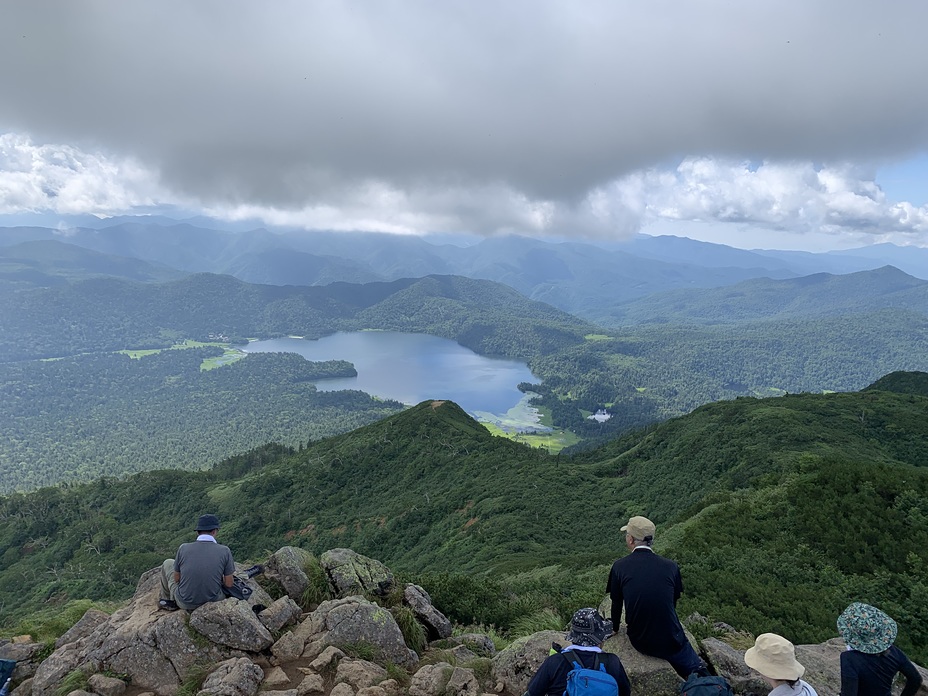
{"x": 275, "y": 677}
{"x": 286, "y": 567}
{"x": 81, "y": 692}
{"x": 84, "y": 627}
{"x": 463, "y": 654}
{"x": 441, "y": 679}
{"x": 648, "y": 675}
{"x": 106, "y": 686}
{"x": 359, "y": 673}
{"x": 728, "y": 662}
{"x": 153, "y": 648}
{"x": 354, "y": 620}
{"x": 436, "y": 624}
{"x": 479, "y": 643}
{"x": 234, "y": 677}
{"x": 24, "y": 688}
{"x": 372, "y": 691}
{"x": 311, "y": 685}
{"x": 285, "y": 692}
{"x": 350, "y": 573}
{"x": 281, "y": 613}
{"x": 516, "y": 665}
{"x": 342, "y": 690}
{"x": 24, "y": 654}
{"x": 326, "y": 658}
{"x": 823, "y": 666}
{"x": 287, "y": 648}
{"x": 231, "y": 623}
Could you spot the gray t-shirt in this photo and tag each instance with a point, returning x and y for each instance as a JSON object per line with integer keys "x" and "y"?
{"x": 202, "y": 565}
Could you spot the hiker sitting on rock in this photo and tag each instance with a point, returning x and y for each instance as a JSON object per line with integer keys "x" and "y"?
{"x": 199, "y": 572}
{"x": 649, "y": 586}
{"x": 587, "y": 632}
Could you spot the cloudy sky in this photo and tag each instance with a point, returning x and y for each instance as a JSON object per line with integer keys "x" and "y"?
{"x": 776, "y": 123}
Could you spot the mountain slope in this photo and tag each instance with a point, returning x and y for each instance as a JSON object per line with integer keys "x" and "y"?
{"x": 763, "y": 298}
{"x": 780, "y": 511}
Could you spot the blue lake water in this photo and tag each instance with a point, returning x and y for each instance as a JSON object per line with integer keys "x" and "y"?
{"x": 413, "y": 367}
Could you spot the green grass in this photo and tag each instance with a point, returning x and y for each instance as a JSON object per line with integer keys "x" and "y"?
{"x": 48, "y": 625}
{"x": 73, "y": 681}
{"x": 413, "y": 631}
{"x": 597, "y": 337}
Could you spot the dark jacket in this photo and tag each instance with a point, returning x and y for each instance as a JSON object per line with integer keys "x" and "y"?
{"x": 648, "y": 586}
{"x": 863, "y": 674}
{"x": 551, "y": 677}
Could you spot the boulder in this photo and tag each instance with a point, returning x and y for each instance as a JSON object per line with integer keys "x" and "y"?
{"x": 359, "y": 673}
{"x": 823, "y": 665}
{"x": 287, "y": 648}
{"x": 478, "y": 643}
{"x": 441, "y": 679}
{"x": 153, "y": 648}
{"x": 514, "y": 667}
{"x": 353, "y": 620}
{"x": 326, "y": 658}
{"x": 342, "y": 690}
{"x": 287, "y": 567}
{"x": 728, "y": 662}
{"x": 436, "y": 624}
{"x": 231, "y": 623}
{"x": 25, "y": 654}
{"x": 106, "y": 686}
{"x": 648, "y": 675}
{"x": 233, "y": 677}
{"x": 275, "y": 677}
{"x": 312, "y": 685}
{"x": 84, "y": 627}
{"x": 350, "y": 573}
{"x": 279, "y": 614}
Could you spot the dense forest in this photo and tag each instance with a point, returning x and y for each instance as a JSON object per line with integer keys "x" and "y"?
{"x": 780, "y": 511}
{"x": 105, "y": 414}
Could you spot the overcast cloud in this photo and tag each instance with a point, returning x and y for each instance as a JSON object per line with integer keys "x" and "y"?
{"x": 589, "y": 118}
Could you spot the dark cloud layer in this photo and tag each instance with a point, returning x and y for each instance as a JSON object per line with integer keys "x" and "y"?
{"x": 300, "y": 104}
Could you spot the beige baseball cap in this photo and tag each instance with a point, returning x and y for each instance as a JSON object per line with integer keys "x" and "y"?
{"x": 639, "y": 527}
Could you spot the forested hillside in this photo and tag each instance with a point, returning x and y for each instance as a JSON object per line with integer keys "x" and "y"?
{"x": 780, "y": 511}
{"x": 111, "y": 314}
{"x": 818, "y": 295}
{"x": 104, "y": 414}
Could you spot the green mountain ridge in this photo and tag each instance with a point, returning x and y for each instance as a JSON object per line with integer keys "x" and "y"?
{"x": 780, "y": 511}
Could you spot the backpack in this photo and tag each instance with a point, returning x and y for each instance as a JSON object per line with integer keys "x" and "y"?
{"x": 705, "y": 686}
{"x": 239, "y": 589}
{"x": 7, "y": 668}
{"x": 584, "y": 681}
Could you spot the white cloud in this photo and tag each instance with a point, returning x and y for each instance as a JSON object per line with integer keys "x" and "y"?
{"x": 798, "y": 197}
{"x": 66, "y": 180}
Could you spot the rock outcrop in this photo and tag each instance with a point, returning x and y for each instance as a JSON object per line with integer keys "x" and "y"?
{"x": 348, "y": 646}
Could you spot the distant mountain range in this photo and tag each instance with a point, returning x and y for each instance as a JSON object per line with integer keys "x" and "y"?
{"x": 591, "y": 281}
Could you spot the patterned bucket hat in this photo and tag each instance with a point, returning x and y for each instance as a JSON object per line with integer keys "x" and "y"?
{"x": 587, "y": 628}
{"x": 866, "y": 628}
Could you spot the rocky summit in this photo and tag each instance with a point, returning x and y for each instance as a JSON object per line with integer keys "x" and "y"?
{"x": 350, "y": 644}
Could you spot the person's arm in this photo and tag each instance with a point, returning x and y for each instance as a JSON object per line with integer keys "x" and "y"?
{"x": 913, "y": 680}
{"x": 614, "y": 588}
{"x": 677, "y": 586}
{"x": 849, "y": 684}
{"x": 228, "y": 570}
{"x": 176, "y": 576}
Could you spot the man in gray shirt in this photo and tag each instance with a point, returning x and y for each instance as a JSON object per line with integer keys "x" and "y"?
{"x": 200, "y": 571}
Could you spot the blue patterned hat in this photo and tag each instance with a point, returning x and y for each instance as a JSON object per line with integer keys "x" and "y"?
{"x": 866, "y": 628}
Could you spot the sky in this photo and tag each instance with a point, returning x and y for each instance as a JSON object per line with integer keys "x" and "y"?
{"x": 799, "y": 124}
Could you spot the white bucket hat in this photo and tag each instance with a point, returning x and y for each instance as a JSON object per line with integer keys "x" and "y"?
{"x": 774, "y": 657}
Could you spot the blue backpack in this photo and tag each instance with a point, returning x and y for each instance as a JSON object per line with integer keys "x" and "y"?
{"x": 696, "y": 685}
{"x": 584, "y": 681}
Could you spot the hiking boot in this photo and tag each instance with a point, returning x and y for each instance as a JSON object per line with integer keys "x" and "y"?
{"x": 168, "y": 605}
{"x": 256, "y": 569}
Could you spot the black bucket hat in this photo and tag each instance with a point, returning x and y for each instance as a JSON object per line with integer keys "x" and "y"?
{"x": 207, "y": 523}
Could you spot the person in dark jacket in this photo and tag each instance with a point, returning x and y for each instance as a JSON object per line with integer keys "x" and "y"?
{"x": 648, "y": 587}
{"x": 871, "y": 661}
{"x": 587, "y": 632}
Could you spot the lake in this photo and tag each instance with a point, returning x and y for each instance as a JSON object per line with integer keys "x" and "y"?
{"x": 414, "y": 367}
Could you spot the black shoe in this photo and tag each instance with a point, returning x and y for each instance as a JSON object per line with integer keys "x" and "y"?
{"x": 256, "y": 569}
{"x": 168, "y": 605}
